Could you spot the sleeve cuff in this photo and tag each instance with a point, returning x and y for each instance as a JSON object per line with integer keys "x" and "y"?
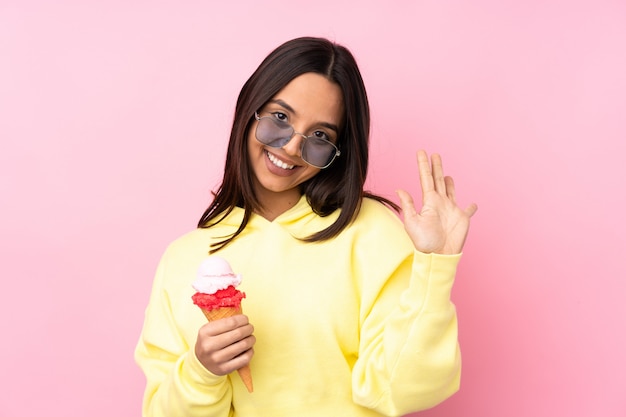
{"x": 198, "y": 374}
{"x": 432, "y": 279}
{"x": 441, "y": 263}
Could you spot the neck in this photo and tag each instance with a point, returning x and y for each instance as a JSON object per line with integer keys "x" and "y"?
{"x": 275, "y": 204}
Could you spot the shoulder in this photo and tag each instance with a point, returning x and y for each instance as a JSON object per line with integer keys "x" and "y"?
{"x": 379, "y": 244}
{"x": 202, "y": 238}
{"x": 374, "y": 214}
{"x": 377, "y": 225}
{"x": 180, "y": 261}
{"x": 192, "y": 245}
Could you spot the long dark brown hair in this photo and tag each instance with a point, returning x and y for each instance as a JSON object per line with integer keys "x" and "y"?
{"x": 340, "y": 186}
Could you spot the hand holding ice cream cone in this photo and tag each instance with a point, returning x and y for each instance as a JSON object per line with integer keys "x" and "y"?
{"x": 218, "y": 298}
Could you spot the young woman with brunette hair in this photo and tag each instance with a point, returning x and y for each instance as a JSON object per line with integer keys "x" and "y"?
{"x": 351, "y": 311}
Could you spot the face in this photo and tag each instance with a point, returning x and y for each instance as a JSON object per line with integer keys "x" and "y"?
{"x": 313, "y": 105}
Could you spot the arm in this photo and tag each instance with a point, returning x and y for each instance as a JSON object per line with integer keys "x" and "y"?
{"x": 176, "y": 382}
{"x": 409, "y": 357}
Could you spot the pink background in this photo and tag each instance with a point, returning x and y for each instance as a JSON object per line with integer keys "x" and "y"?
{"x": 114, "y": 118}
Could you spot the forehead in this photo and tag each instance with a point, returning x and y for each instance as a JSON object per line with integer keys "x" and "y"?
{"x": 313, "y": 97}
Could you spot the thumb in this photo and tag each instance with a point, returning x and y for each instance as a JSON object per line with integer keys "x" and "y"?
{"x": 471, "y": 210}
{"x": 406, "y": 202}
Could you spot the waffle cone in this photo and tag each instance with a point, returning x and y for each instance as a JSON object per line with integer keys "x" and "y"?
{"x": 220, "y": 313}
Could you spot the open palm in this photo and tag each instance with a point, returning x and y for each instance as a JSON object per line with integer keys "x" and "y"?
{"x": 440, "y": 226}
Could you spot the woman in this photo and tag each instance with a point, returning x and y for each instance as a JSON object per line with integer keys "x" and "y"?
{"x": 351, "y": 311}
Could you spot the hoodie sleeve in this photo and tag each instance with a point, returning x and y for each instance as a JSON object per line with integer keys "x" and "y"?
{"x": 176, "y": 382}
{"x": 409, "y": 357}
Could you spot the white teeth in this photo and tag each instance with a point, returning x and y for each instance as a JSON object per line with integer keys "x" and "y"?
{"x": 278, "y": 162}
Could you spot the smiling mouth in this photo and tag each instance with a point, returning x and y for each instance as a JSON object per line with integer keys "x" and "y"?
{"x": 280, "y": 164}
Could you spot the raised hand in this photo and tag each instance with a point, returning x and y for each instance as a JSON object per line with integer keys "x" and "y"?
{"x": 440, "y": 226}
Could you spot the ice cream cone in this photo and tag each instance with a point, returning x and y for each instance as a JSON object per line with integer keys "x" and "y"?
{"x": 246, "y": 376}
{"x": 218, "y": 298}
{"x": 220, "y": 313}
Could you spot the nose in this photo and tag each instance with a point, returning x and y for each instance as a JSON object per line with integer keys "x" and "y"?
{"x": 294, "y": 146}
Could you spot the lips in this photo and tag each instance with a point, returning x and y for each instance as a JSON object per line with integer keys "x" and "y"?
{"x": 279, "y": 163}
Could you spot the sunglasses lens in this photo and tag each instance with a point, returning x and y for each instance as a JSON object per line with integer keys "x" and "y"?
{"x": 277, "y": 134}
{"x": 318, "y": 152}
{"x": 273, "y": 132}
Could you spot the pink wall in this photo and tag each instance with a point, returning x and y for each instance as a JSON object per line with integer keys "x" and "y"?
{"x": 113, "y": 123}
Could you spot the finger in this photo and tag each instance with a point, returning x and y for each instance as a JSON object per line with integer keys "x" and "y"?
{"x": 426, "y": 176}
{"x": 450, "y": 189}
{"x": 224, "y": 325}
{"x": 438, "y": 177}
{"x": 230, "y": 363}
{"x": 406, "y": 203}
{"x": 225, "y": 346}
{"x": 471, "y": 210}
{"x": 238, "y": 361}
{"x": 213, "y": 340}
{"x": 235, "y": 335}
{"x": 236, "y": 349}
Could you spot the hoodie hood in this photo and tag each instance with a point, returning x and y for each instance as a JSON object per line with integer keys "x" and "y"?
{"x": 299, "y": 221}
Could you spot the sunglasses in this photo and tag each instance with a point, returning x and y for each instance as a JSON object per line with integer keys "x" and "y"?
{"x": 314, "y": 150}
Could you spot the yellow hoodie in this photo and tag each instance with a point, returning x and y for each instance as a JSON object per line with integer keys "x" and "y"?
{"x": 361, "y": 325}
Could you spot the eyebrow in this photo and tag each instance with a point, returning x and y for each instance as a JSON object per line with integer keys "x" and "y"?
{"x": 292, "y": 110}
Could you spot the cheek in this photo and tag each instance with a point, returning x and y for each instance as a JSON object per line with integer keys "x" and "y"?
{"x": 252, "y": 144}
{"x": 311, "y": 172}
